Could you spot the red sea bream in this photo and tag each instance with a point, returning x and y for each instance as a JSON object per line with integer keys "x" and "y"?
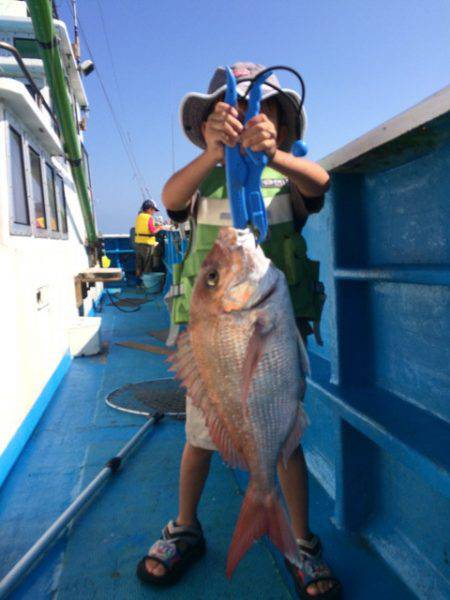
{"x": 244, "y": 364}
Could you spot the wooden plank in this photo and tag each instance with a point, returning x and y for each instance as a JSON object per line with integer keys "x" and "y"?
{"x": 144, "y": 347}
{"x": 78, "y": 292}
{"x": 101, "y": 274}
{"x": 160, "y": 334}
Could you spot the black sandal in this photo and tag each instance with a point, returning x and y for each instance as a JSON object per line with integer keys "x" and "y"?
{"x": 178, "y": 547}
{"x": 313, "y": 569}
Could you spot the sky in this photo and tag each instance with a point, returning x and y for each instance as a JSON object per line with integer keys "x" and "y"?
{"x": 363, "y": 62}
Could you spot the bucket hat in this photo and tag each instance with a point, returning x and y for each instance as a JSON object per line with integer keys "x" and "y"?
{"x": 195, "y": 106}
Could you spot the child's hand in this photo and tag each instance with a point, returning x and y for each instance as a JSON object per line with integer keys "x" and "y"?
{"x": 222, "y": 127}
{"x": 260, "y": 135}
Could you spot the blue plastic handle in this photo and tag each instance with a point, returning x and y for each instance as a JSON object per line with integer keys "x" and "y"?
{"x": 234, "y": 168}
{"x": 231, "y": 93}
{"x": 243, "y": 171}
{"x": 299, "y": 148}
{"x": 254, "y": 108}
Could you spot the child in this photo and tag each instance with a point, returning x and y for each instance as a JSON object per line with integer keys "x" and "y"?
{"x": 292, "y": 188}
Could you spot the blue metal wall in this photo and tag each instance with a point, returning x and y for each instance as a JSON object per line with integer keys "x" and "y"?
{"x": 379, "y": 395}
{"x": 122, "y": 255}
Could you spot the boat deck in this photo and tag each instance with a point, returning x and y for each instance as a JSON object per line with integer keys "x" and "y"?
{"x": 97, "y": 557}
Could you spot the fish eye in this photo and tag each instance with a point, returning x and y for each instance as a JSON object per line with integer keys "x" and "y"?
{"x": 212, "y": 278}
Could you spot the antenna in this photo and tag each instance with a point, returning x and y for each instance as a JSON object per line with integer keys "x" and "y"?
{"x": 76, "y": 37}
{"x": 54, "y": 10}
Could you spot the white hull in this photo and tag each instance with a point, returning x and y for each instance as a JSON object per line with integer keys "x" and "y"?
{"x": 37, "y": 266}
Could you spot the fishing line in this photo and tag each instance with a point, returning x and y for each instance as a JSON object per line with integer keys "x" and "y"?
{"x": 111, "y": 58}
{"x": 144, "y": 188}
{"x": 126, "y": 143}
{"x": 298, "y": 109}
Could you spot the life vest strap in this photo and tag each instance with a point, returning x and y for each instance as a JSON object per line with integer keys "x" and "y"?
{"x": 216, "y": 211}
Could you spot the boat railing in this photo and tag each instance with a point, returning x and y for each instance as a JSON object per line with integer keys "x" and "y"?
{"x": 16, "y": 54}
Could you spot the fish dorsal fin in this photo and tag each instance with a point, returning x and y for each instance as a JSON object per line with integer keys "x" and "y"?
{"x": 186, "y": 371}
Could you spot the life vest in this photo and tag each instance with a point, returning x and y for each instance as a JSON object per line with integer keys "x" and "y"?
{"x": 143, "y": 236}
{"x": 40, "y": 222}
{"x": 284, "y": 245}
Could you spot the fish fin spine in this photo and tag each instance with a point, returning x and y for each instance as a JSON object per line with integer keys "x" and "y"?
{"x": 222, "y": 439}
{"x": 261, "y": 514}
{"x": 186, "y": 370}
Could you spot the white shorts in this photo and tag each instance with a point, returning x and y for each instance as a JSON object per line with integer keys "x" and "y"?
{"x": 197, "y": 433}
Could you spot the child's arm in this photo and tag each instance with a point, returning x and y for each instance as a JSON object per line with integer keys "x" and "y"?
{"x": 222, "y": 127}
{"x": 179, "y": 189}
{"x": 309, "y": 178}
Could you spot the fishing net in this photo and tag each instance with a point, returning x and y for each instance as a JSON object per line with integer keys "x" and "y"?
{"x": 148, "y": 397}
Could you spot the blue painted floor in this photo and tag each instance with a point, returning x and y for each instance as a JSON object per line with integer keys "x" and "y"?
{"x": 96, "y": 558}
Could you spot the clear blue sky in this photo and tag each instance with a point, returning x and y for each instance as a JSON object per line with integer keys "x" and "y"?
{"x": 363, "y": 63}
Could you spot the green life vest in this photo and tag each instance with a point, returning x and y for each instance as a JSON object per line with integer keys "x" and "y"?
{"x": 284, "y": 246}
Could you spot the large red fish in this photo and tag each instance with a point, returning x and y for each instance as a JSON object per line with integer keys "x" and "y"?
{"x": 243, "y": 364}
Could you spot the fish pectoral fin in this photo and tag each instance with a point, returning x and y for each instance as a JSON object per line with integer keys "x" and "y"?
{"x": 255, "y": 349}
{"x": 304, "y": 358}
{"x": 183, "y": 363}
{"x": 293, "y": 438}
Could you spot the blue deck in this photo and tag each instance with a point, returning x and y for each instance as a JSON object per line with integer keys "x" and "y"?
{"x": 97, "y": 557}
{"x": 378, "y": 401}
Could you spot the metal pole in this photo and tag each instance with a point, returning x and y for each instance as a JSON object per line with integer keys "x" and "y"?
{"x": 76, "y": 39}
{"x": 35, "y": 553}
{"x": 45, "y": 33}
{"x": 26, "y": 72}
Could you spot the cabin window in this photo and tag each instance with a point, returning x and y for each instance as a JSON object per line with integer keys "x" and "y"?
{"x": 37, "y": 191}
{"x": 21, "y": 213}
{"x": 62, "y": 208}
{"x": 51, "y": 195}
{"x": 27, "y": 47}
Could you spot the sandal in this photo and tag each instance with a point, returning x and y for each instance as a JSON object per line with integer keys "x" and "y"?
{"x": 313, "y": 570}
{"x": 178, "y": 546}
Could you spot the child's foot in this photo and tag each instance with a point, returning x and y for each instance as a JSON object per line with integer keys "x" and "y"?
{"x": 167, "y": 559}
{"x": 314, "y": 579}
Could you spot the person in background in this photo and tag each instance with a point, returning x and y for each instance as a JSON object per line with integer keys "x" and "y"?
{"x": 145, "y": 242}
{"x": 159, "y": 250}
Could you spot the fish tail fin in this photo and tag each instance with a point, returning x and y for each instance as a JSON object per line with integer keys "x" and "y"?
{"x": 261, "y": 514}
